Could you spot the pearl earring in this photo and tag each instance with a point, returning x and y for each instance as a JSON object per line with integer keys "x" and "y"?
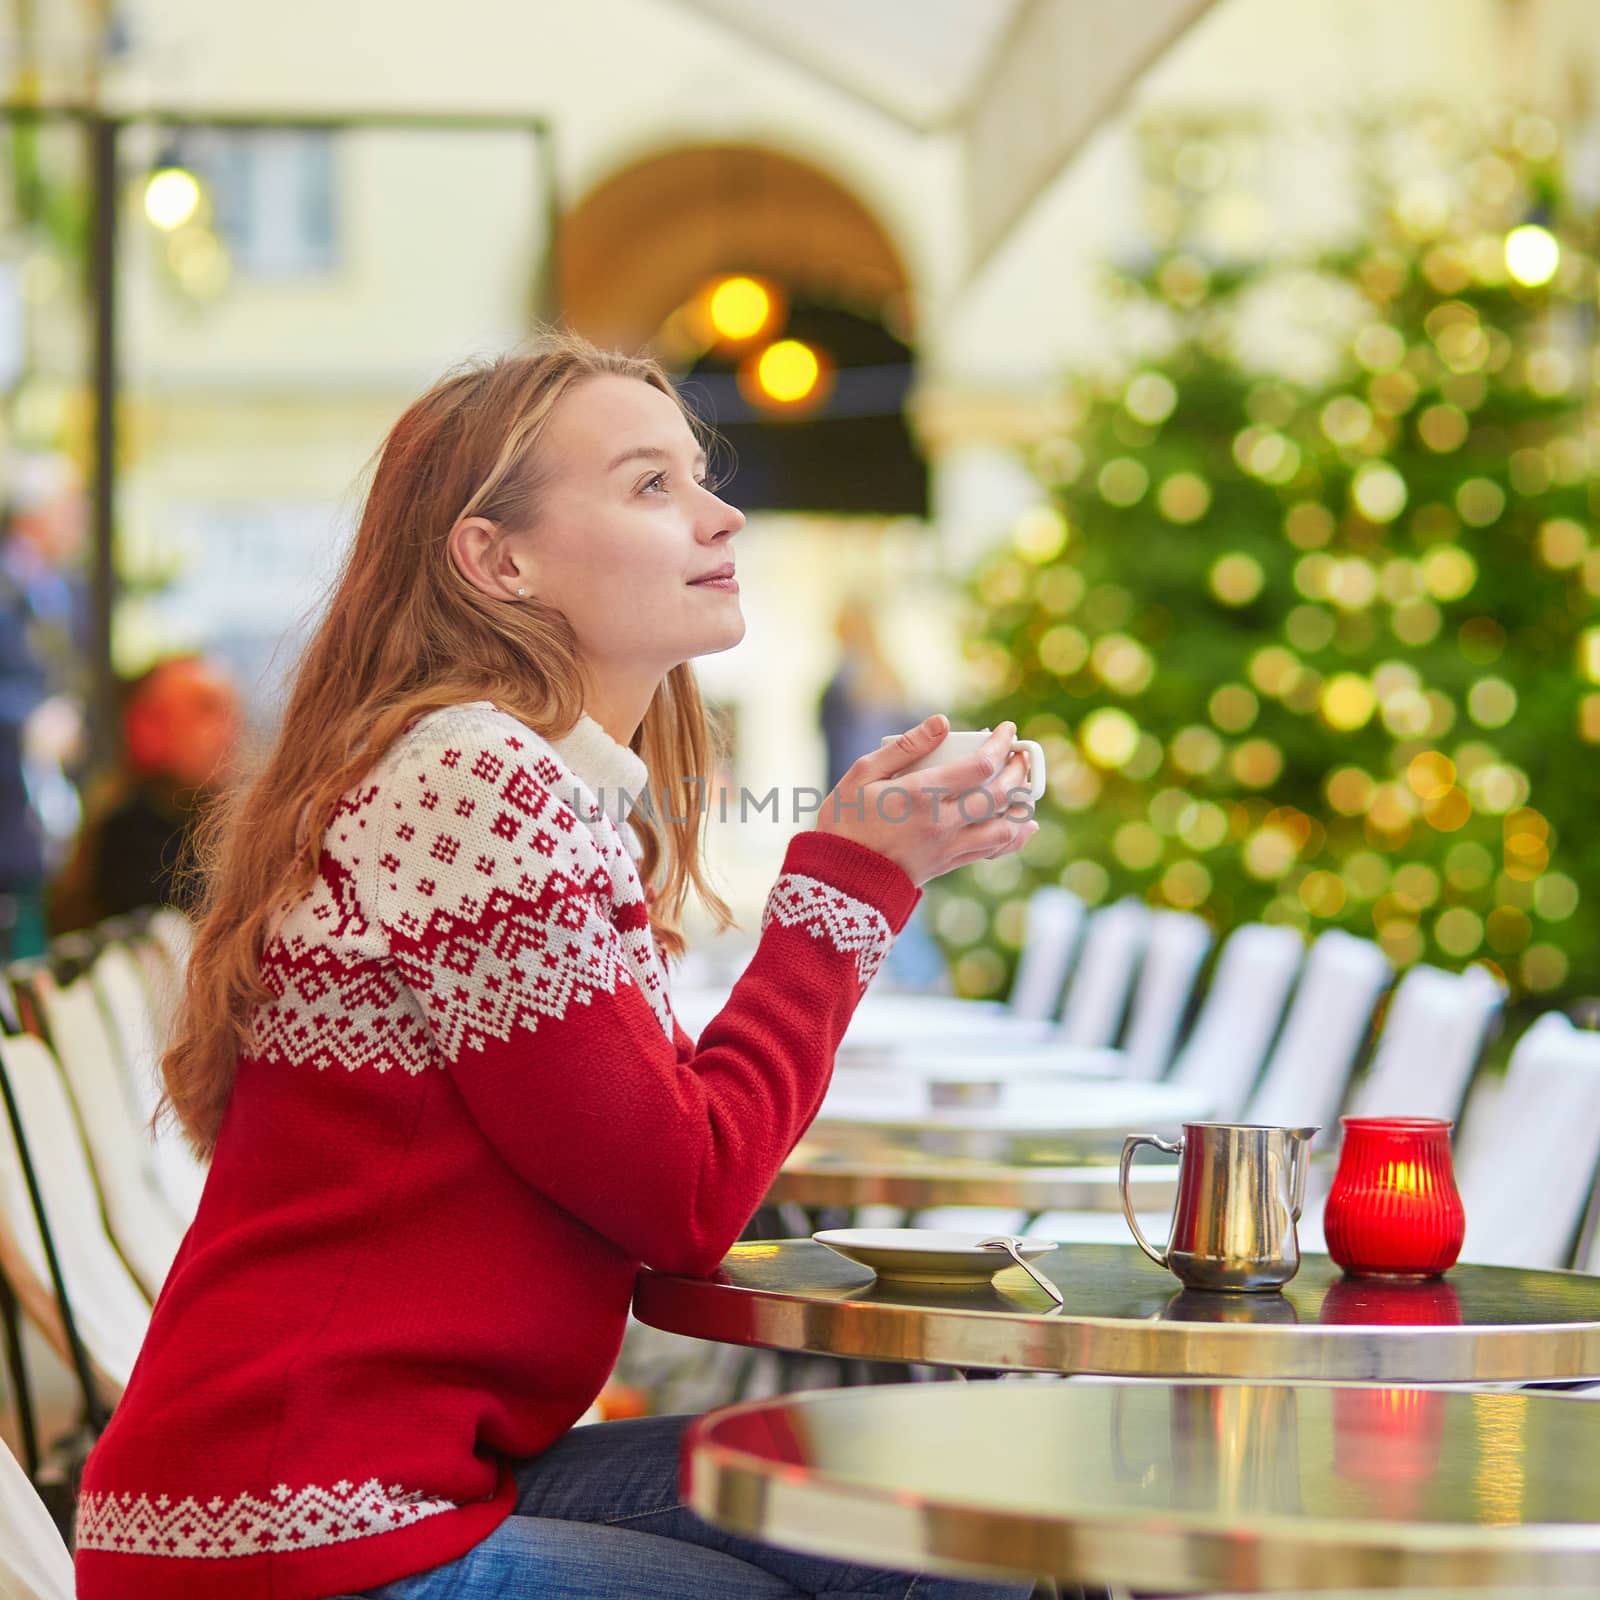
{"x": 522, "y": 592}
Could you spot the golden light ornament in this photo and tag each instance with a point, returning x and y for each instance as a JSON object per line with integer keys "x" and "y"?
{"x": 1274, "y": 670}
{"x": 1507, "y": 929}
{"x": 1136, "y": 845}
{"x": 1380, "y": 347}
{"x": 1122, "y": 663}
{"x": 1352, "y": 584}
{"x": 1555, "y": 897}
{"x": 1480, "y": 501}
{"x": 1323, "y": 893}
{"x": 1416, "y": 622}
{"x": 1151, "y": 398}
{"x": 1550, "y": 372}
{"x": 1589, "y": 654}
{"x": 1418, "y": 882}
{"x": 1350, "y": 791}
{"x": 1532, "y": 255}
{"x": 1491, "y": 702}
{"x": 1088, "y": 880}
{"x": 788, "y": 372}
{"x": 1040, "y": 534}
{"x": 1458, "y": 931}
{"x": 171, "y": 197}
{"x": 1186, "y": 884}
{"x": 1431, "y": 774}
{"x": 1233, "y": 707}
{"x": 1346, "y": 420}
{"x": 1563, "y": 543}
{"x": 1236, "y": 579}
{"x": 1543, "y": 968}
{"x": 1058, "y": 589}
{"x": 1123, "y": 481}
{"x": 1268, "y": 853}
{"x": 1309, "y": 628}
{"x": 1468, "y": 865}
{"x": 1257, "y": 763}
{"x": 1196, "y": 750}
{"x": 1062, "y": 650}
{"x": 1348, "y": 702}
{"x": 739, "y": 308}
{"x": 1443, "y": 428}
{"x": 1109, "y": 737}
{"x": 1183, "y": 498}
{"x": 1205, "y": 827}
{"x": 1367, "y": 874}
{"x": 1449, "y": 572}
{"x": 979, "y": 974}
{"x": 1530, "y": 471}
{"x": 1309, "y": 525}
{"x": 1379, "y": 492}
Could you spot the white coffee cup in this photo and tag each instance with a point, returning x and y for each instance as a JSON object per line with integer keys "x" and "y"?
{"x": 955, "y": 745}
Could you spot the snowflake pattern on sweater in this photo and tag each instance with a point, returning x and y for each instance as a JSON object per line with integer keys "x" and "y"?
{"x": 544, "y": 912}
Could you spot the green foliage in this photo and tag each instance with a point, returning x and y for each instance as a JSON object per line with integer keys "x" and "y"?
{"x": 1313, "y": 645}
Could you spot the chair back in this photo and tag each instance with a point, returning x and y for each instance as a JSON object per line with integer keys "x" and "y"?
{"x": 1240, "y": 1015}
{"x": 34, "y": 1563}
{"x": 145, "y": 1227}
{"x": 1173, "y": 956}
{"x": 1310, "y": 1066}
{"x": 1526, "y": 1182}
{"x": 1055, "y": 920}
{"x": 109, "y": 1308}
{"x": 1430, "y": 1044}
{"x": 124, "y": 989}
{"x": 173, "y": 935}
{"x": 1097, "y": 997}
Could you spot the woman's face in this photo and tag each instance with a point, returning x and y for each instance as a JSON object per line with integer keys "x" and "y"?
{"x": 626, "y": 528}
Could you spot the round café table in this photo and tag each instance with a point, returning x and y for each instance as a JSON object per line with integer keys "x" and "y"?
{"x": 1126, "y": 1317}
{"x": 1165, "y": 1486}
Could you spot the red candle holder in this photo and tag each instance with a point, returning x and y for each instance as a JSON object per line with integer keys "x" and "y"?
{"x": 1394, "y": 1211}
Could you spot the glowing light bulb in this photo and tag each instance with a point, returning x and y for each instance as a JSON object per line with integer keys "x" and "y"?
{"x": 171, "y": 198}
{"x": 740, "y": 308}
{"x": 788, "y": 371}
{"x": 1532, "y": 254}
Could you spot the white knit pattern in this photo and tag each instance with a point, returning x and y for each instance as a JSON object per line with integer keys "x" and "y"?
{"x": 471, "y": 887}
{"x": 246, "y": 1525}
{"x": 849, "y": 925}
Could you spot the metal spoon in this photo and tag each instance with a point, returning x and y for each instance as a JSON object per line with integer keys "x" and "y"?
{"x": 1009, "y": 1243}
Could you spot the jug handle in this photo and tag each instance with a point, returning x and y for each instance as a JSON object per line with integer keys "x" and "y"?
{"x": 1297, "y": 1180}
{"x": 1129, "y": 1145}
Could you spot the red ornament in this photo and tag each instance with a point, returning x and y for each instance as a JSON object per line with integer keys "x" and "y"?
{"x": 1394, "y": 1210}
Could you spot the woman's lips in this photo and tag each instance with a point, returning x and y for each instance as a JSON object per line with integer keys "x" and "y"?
{"x": 730, "y": 584}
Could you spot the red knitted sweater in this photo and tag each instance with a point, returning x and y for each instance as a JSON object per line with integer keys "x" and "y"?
{"x": 465, "y": 1118}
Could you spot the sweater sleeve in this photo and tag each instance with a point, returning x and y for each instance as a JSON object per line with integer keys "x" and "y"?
{"x": 497, "y": 906}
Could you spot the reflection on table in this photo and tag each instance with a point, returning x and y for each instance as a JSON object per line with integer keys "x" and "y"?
{"x": 1163, "y": 1485}
{"x": 1124, "y": 1316}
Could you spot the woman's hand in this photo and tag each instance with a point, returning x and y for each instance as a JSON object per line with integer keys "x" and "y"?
{"x": 936, "y": 818}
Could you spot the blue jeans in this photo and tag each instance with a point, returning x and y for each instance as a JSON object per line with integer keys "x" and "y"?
{"x": 598, "y": 1515}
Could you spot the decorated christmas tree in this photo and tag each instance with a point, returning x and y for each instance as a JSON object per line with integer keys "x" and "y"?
{"x": 1306, "y": 617}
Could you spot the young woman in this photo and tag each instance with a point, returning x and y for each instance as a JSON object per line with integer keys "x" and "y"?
{"x": 427, "y": 1045}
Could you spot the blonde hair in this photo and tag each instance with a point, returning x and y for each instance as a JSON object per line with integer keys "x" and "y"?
{"x": 404, "y": 634}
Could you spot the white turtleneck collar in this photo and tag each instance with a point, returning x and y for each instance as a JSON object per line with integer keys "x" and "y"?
{"x": 609, "y": 769}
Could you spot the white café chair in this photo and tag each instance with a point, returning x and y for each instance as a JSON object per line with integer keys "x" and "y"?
{"x": 137, "y": 1029}
{"x": 34, "y": 1563}
{"x": 1240, "y": 1015}
{"x": 1525, "y": 1184}
{"x": 1054, "y": 923}
{"x": 1306, "y": 1076}
{"x": 1097, "y": 997}
{"x": 1430, "y": 1044}
{"x": 108, "y": 1306}
{"x": 144, "y": 1226}
{"x": 1174, "y": 953}
{"x": 173, "y": 935}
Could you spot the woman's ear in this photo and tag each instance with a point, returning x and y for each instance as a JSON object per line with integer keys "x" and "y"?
{"x": 484, "y": 557}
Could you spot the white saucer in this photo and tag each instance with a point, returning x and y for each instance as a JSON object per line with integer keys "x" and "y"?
{"x": 926, "y": 1255}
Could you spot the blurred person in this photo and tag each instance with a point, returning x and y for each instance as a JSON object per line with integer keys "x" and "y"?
{"x": 43, "y": 658}
{"x": 180, "y": 729}
{"x": 427, "y": 1047}
{"x": 865, "y": 702}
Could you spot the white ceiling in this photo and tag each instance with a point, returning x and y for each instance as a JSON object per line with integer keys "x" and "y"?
{"x": 1023, "y": 83}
